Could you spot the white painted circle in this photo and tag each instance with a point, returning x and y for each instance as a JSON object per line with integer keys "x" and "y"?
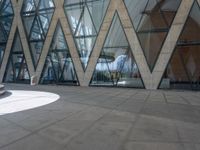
{"x": 25, "y": 100}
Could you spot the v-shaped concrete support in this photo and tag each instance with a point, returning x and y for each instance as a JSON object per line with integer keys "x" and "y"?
{"x": 151, "y": 79}
{"x": 17, "y": 23}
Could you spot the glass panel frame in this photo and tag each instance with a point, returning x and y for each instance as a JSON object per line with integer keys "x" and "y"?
{"x": 116, "y": 66}
{"x": 188, "y": 51}
{"x": 59, "y": 67}
{"x": 152, "y": 17}
{"x": 37, "y": 16}
{"x": 85, "y": 24}
{"x": 17, "y": 68}
{"x": 6, "y": 19}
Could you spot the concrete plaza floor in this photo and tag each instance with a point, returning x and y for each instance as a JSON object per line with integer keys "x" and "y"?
{"x": 105, "y": 119}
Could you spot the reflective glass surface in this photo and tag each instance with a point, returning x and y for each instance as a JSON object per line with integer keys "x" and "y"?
{"x": 152, "y": 20}
{"x": 37, "y": 15}
{"x": 17, "y": 71}
{"x": 116, "y": 65}
{"x": 183, "y": 70}
{"x": 85, "y": 18}
{"x": 6, "y": 18}
{"x": 59, "y": 68}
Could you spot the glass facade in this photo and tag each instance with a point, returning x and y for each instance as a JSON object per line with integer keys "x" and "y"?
{"x": 85, "y": 18}
{"x": 37, "y": 15}
{"x": 59, "y": 68}
{"x": 116, "y": 65}
{"x": 6, "y": 18}
{"x": 152, "y": 20}
{"x": 183, "y": 70}
{"x": 17, "y": 70}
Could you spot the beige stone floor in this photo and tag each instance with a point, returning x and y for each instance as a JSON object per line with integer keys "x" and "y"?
{"x": 90, "y": 118}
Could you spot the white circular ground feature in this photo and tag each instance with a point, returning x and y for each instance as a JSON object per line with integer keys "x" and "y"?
{"x": 25, "y": 100}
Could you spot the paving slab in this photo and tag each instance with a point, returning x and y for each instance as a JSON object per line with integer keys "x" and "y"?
{"x": 91, "y": 118}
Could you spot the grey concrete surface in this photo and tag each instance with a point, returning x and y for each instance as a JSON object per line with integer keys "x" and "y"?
{"x": 89, "y": 118}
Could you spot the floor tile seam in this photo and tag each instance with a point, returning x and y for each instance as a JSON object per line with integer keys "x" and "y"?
{"x": 27, "y": 136}
{"x": 17, "y": 140}
{"x": 53, "y": 123}
{"x": 31, "y": 115}
{"x": 18, "y": 125}
{"x": 137, "y": 117}
{"x": 186, "y": 100}
{"x": 185, "y": 105}
{"x": 197, "y": 96}
{"x": 165, "y": 97}
{"x": 87, "y": 128}
{"x": 167, "y": 103}
{"x": 122, "y": 146}
{"x": 175, "y": 125}
{"x": 107, "y": 98}
{"x": 91, "y": 105}
{"x": 119, "y": 93}
{"x": 126, "y": 100}
{"x": 144, "y": 103}
{"x": 162, "y": 141}
{"x": 60, "y": 120}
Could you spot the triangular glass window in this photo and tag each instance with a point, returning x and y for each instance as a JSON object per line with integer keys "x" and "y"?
{"x": 59, "y": 68}
{"x": 152, "y": 20}
{"x": 37, "y": 15}
{"x": 46, "y": 4}
{"x": 85, "y": 46}
{"x": 45, "y": 20}
{"x": 6, "y": 18}
{"x": 183, "y": 71}
{"x": 6, "y": 7}
{"x": 36, "y": 49}
{"x": 116, "y": 65}
{"x": 30, "y": 5}
{"x": 17, "y": 71}
{"x": 116, "y": 36}
{"x": 97, "y": 6}
{"x": 28, "y": 22}
{"x": 85, "y": 23}
{"x": 36, "y": 31}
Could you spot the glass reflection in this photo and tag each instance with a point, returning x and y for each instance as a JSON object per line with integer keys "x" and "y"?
{"x": 116, "y": 65}
{"x": 59, "y": 68}
{"x": 183, "y": 71}
{"x": 37, "y": 16}
{"x": 17, "y": 71}
{"x": 152, "y": 20}
{"x": 6, "y": 18}
{"x": 85, "y": 18}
